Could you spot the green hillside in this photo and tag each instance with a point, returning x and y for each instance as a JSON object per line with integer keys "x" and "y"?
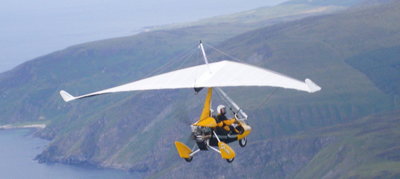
{"x": 135, "y": 131}
{"x": 366, "y": 148}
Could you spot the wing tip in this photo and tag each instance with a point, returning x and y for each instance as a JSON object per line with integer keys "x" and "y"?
{"x": 312, "y": 87}
{"x": 66, "y": 96}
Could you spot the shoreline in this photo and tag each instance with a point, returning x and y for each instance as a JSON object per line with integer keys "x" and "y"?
{"x": 27, "y": 126}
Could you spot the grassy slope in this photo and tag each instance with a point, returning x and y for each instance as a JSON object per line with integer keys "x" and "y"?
{"x": 382, "y": 66}
{"x": 366, "y": 148}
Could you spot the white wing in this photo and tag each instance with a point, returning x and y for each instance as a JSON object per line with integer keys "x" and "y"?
{"x": 218, "y": 74}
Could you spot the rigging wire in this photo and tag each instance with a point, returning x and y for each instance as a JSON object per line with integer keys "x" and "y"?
{"x": 268, "y": 98}
{"x": 224, "y": 53}
{"x": 239, "y": 60}
{"x": 185, "y": 60}
{"x": 172, "y": 61}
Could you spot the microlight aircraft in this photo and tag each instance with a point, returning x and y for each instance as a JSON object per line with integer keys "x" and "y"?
{"x": 205, "y": 131}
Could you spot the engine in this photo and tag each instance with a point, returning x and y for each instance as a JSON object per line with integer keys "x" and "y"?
{"x": 201, "y": 134}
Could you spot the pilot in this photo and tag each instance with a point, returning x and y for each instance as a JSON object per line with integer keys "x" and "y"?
{"x": 223, "y": 122}
{"x": 221, "y": 109}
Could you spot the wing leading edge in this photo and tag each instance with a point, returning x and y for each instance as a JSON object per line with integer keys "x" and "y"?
{"x": 217, "y": 74}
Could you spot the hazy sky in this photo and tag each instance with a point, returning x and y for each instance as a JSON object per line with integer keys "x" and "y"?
{"x": 33, "y": 28}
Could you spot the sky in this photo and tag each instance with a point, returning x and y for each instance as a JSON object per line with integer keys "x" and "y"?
{"x": 29, "y": 29}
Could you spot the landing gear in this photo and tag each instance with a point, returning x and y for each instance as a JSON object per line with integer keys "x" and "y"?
{"x": 230, "y": 160}
{"x": 243, "y": 142}
{"x": 189, "y": 159}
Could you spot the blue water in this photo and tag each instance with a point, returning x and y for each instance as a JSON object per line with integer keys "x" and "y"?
{"x": 18, "y": 148}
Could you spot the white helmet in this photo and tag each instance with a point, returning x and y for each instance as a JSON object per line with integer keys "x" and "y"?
{"x": 220, "y": 107}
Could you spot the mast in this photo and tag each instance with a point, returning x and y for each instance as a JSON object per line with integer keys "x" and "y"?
{"x": 203, "y": 52}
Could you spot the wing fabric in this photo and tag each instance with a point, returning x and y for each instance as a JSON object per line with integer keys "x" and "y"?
{"x": 217, "y": 74}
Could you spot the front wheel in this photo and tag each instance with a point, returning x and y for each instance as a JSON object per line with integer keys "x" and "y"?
{"x": 189, "y": 159}
{"x": 243, "y": 142}
{"x": 230, "y": 160}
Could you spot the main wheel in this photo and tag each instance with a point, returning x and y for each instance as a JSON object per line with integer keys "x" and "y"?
{"x": 189, "y": 159}
{"x": 243, "y": 142}
{"x": 230, "y": 160}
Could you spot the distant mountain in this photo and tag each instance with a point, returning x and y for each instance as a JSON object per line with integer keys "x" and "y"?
{"x": 135, "y": 131}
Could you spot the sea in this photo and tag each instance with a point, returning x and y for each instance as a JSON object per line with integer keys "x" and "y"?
{"x": 18, "y": 148}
